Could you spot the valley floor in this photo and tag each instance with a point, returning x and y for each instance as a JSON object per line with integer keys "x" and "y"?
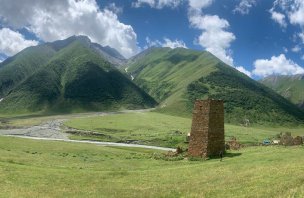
{"x": 33, "y": 168}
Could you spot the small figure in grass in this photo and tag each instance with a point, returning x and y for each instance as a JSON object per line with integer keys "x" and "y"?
{"x": 221, "y": 155}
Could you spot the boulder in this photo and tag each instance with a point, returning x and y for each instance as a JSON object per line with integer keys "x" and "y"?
{"x": 286, "y": 139}
{"x": 298, "y": 140}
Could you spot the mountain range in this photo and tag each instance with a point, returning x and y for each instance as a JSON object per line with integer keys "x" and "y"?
{"x": 289, "y": 86}
{"x": 71, "y": 75}
{"x": 176, "y": 77}
{"x": 76, "y": 75}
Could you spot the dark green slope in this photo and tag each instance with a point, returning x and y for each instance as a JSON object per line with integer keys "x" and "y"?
{"x": 17, "y": 68}
{"x": 289, "y": 86}
{"x": 75, "y": 79}
{"x": 175, "y": 78}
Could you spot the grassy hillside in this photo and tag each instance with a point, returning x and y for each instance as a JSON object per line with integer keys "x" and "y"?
{"x": 290, "y": 87}
{"x": 31, "y": 168}
{"x": 16, "y": 69}
{"x": 177, "y": 77}
{"x": 75, "y": 79}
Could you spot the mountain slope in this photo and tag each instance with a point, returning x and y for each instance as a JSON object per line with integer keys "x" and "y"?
{"x": 76, "y": 78}
{"x": 17, "y": 68}
{"x": 289, "y": 86}
{"x": 177, "y": 77}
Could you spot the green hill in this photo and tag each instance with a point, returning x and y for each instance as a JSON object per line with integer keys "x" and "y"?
{"x": 17, "y": 68}
{"x": 76, "y": 78}
{"x": 289, "y": 86}
{"x": 175, "y": 78}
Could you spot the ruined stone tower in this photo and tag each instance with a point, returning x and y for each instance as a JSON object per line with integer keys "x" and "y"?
{"x": 207, "y": 136}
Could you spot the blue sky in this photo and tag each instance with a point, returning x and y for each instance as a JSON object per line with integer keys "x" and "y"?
{"x": 258, "y": 37}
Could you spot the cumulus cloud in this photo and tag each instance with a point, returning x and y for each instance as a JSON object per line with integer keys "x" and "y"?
{"x": 174, "y": 44}
{"x": 296, "y": 15}
{"x": 59, "y": 19}
{"x": 301, "y": 35}
{"x": 278, "y": 17}
{"x": 296, "y": 49}
{"x": 214, "y": 37}
{"x": 12, "y": 42}
{"x": 244, "y": 71}
{"x": 112, "y": 7}
{"x": 199, "y": 4}
{"x": 276, "y": 65}
{"x": 294, "y": 9}
{"x": 166, "y": 43}
{"x": 159, "y": 4}
{"x": 244, "y": 6}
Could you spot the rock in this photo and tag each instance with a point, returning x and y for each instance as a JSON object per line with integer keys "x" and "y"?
{"x": 298, "y": 140}
{"x": 286, "y": 139}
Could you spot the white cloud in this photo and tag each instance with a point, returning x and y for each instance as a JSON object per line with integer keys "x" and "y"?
{"x": 276, "y": 65}
{"x": 166, "y": 43}
{"x": 301, "y": 35}
{"x": 294, "y": 9}
{"x": 285, "y": 49}
{"x": 59, "y": 19}
{"x": 278, "y": 17}
{"x": 199, "y": 4}
{"x": 214, "y": 37}
{"x": 244, "y": 6}
{"x": 296, "y": 49}
{"x": 112, "y": 7}
{"x": 12, "y": 42}
{"x": 243, "y": 70}
{"x": 159, "y": 4}
{"x": 296, "y": 15}
{"x": 174, "y": 44}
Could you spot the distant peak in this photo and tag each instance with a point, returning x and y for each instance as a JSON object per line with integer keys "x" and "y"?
{"x": 82, "y": 37}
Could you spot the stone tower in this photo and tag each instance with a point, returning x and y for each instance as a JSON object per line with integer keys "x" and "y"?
{"x": 207, "y": 136}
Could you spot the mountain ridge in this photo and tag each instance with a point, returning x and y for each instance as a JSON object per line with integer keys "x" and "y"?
{"x": 176, "y": 77}
{"x": 75, "y": 78}
{"x": 289, "y": 86}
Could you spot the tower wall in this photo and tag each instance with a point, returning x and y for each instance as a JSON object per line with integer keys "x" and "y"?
{"x": 207, "y": 136}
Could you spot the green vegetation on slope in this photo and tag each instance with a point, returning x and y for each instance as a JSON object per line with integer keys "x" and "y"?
{"x": 165, "y": 73}
{"x": 244, "y": 98}
{"x": 290, "y": 87}
{"x": 177, "y": 77}
{"x": 31, "y": 168}
{"x": 16, "y": 69}
{"x": 75, "y": 79}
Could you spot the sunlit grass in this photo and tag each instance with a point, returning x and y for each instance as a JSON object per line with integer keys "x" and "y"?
{"x": 31, "y": 168}
{"x": 164, "y": 130}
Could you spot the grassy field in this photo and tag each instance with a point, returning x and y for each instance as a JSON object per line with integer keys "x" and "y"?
{"x": 162, "y": 130}
{"x": 31, "y": 168}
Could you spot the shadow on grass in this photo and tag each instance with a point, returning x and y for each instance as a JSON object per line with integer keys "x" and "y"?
{"x": 230, "y": 155}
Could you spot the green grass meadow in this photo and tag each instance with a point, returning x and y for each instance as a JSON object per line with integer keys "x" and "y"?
{"x": 33, "y": 168}
{"x": 30, "y": 168}
{"x": 164, "y": 130}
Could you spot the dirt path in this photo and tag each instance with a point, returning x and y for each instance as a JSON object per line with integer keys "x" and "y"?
{"x": 96, "y": 142}
{"x": 51, "y": 130}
